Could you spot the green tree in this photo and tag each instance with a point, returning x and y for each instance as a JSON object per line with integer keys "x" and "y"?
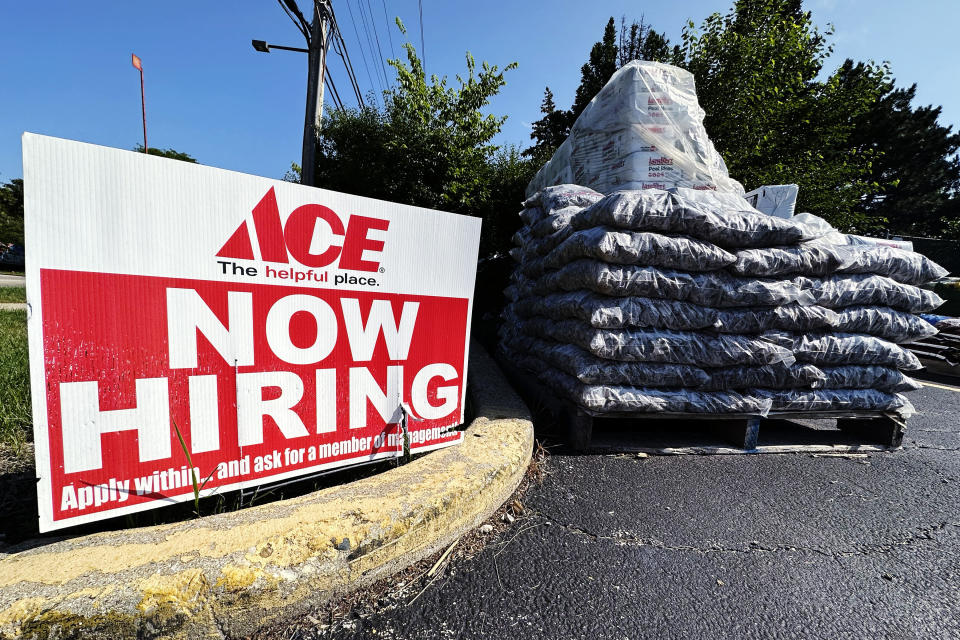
{"x": 430, "y": 145}
{"x": 637, "y": 42}
{"x": 915, "y": 162}
{"x": 597, "y": 70}
{"x": 11, "y": 211}
{"x": 550, "y": 131}
{"x": 167, "y": 153}
{"x": 770, "y": 115}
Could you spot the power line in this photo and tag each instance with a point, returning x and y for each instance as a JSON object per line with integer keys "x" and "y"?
{"x": 344, "y": 54}
{"x": 360, "y": 44}
{"x": 293, "y": 12}
{"x": 340, "y": 48}
{"x": 373, "y": 55}
{"x": 333, "y": 88}
{"x": 386, "y": 19}
{"x": 423, "y": 49}
{"x": 373, "y": 23}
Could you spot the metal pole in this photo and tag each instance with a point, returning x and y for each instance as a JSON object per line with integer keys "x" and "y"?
{"x": 316, "y": 61}
{"x": 143, "y": 108}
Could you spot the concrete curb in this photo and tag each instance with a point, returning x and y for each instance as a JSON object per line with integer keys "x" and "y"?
{"x": 227, "y": 575}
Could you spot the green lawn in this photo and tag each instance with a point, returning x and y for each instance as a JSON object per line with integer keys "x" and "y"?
{"x": 15, "y": 419}
{"x": 13, "y": 294}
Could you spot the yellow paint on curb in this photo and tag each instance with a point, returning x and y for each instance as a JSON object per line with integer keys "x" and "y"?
{"x": 246, "y": 568}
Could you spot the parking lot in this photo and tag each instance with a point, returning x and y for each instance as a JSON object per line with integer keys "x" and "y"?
{"x": 724, "y": 546}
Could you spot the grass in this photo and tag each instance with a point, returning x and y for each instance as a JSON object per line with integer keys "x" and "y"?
{"x": 13, "y": 294}
{"x": 15, "y": 420}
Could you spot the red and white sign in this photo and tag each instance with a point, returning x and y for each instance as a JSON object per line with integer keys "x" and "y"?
{"x": 283, "y": 330}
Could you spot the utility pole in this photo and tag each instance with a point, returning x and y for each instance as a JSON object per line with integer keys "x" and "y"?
{"x": 315, "y": 32}
{"x": 317, "y": 55}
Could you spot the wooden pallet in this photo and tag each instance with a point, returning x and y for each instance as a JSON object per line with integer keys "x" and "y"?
{"x": 740, "y": 433}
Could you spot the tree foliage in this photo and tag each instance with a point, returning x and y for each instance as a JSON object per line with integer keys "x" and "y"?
{"x": 173, "y": 154}
{"x": 638, "y": 41}
{"x": 915, "y": 161}
{"x": 430, "y": 145}
{"x": 772, "y": 117}
{"x": 598, "y": 69}
{"x": 11, "y": 211}
{"x": 550, "y": 131}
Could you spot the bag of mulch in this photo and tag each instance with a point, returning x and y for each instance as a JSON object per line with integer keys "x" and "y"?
{"x": 664, "y": 212}
{"x": 654, "y": 345}
{"x": 808, "y": 258}
{"x": 634, "y": 248}
{"x": 788, "y": 317}
{"x": 533, "y": 246}
{"x": 803, "y": 401}
{"x": 820, "y": 259}
{"x": 868, "y": 290}
{"x": 589, "y": 369}
{"x": 627, "y": 399}
{"x": 714, "y": 289}
{"x": 550, "y": 224}
{"x": 843, "y": 348}
{"x": 605, "y": 312}
{"x": 868, "y": 377}
{"x": 561, "y": 196}
{"x": 771, "y": 376}
{"x": 884, "y": 322}
{"x": 907, "y": 267}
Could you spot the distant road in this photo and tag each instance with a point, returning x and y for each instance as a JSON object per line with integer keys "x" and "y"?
{"x": 12, "y": 281}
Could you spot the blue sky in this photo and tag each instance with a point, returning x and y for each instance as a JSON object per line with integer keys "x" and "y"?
{"x": 66, "y": 65}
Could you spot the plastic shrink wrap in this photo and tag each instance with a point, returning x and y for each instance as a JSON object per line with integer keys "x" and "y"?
{"x": 632, "y": 247}
{"x": 844, "y": 348}
{"x": 644, "y": 128}
{"x": 653, "y": 345}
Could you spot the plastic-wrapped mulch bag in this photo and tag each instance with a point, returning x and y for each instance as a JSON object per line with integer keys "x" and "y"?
{"x": 713, "y": 289}
{"x": 804, "y": 401}
{"x": 664, "y": 212}
{"x": 821, "y": 259}
{"x": 844, "y": 348}
{"x": 654, "y": 345}
{"x": 619, "y": 399}
{"x": 868, "y": 289}
{"x": 633, "y": 247}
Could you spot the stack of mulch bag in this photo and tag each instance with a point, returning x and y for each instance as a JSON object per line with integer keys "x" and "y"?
{"x": 690, "y": 301}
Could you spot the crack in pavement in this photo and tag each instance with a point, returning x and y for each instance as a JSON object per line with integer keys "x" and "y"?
{"x": 923, "y": 534}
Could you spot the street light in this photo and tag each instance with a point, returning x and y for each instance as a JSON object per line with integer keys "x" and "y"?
{"x": 315, "y": 33}
{"x": 263, "y": 47}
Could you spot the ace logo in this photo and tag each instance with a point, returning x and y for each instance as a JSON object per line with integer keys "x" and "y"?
{"x": 298, "y": 238}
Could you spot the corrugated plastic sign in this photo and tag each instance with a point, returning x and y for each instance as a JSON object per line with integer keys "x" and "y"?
{"x": 281, "y": 330}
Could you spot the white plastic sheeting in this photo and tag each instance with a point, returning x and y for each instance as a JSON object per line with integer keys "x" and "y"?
{"x": 643, "y": 129}
{"x": 779, "y": 200}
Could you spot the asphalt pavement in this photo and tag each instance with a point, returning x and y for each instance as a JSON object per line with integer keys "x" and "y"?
{"x": 721, "y": 546}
